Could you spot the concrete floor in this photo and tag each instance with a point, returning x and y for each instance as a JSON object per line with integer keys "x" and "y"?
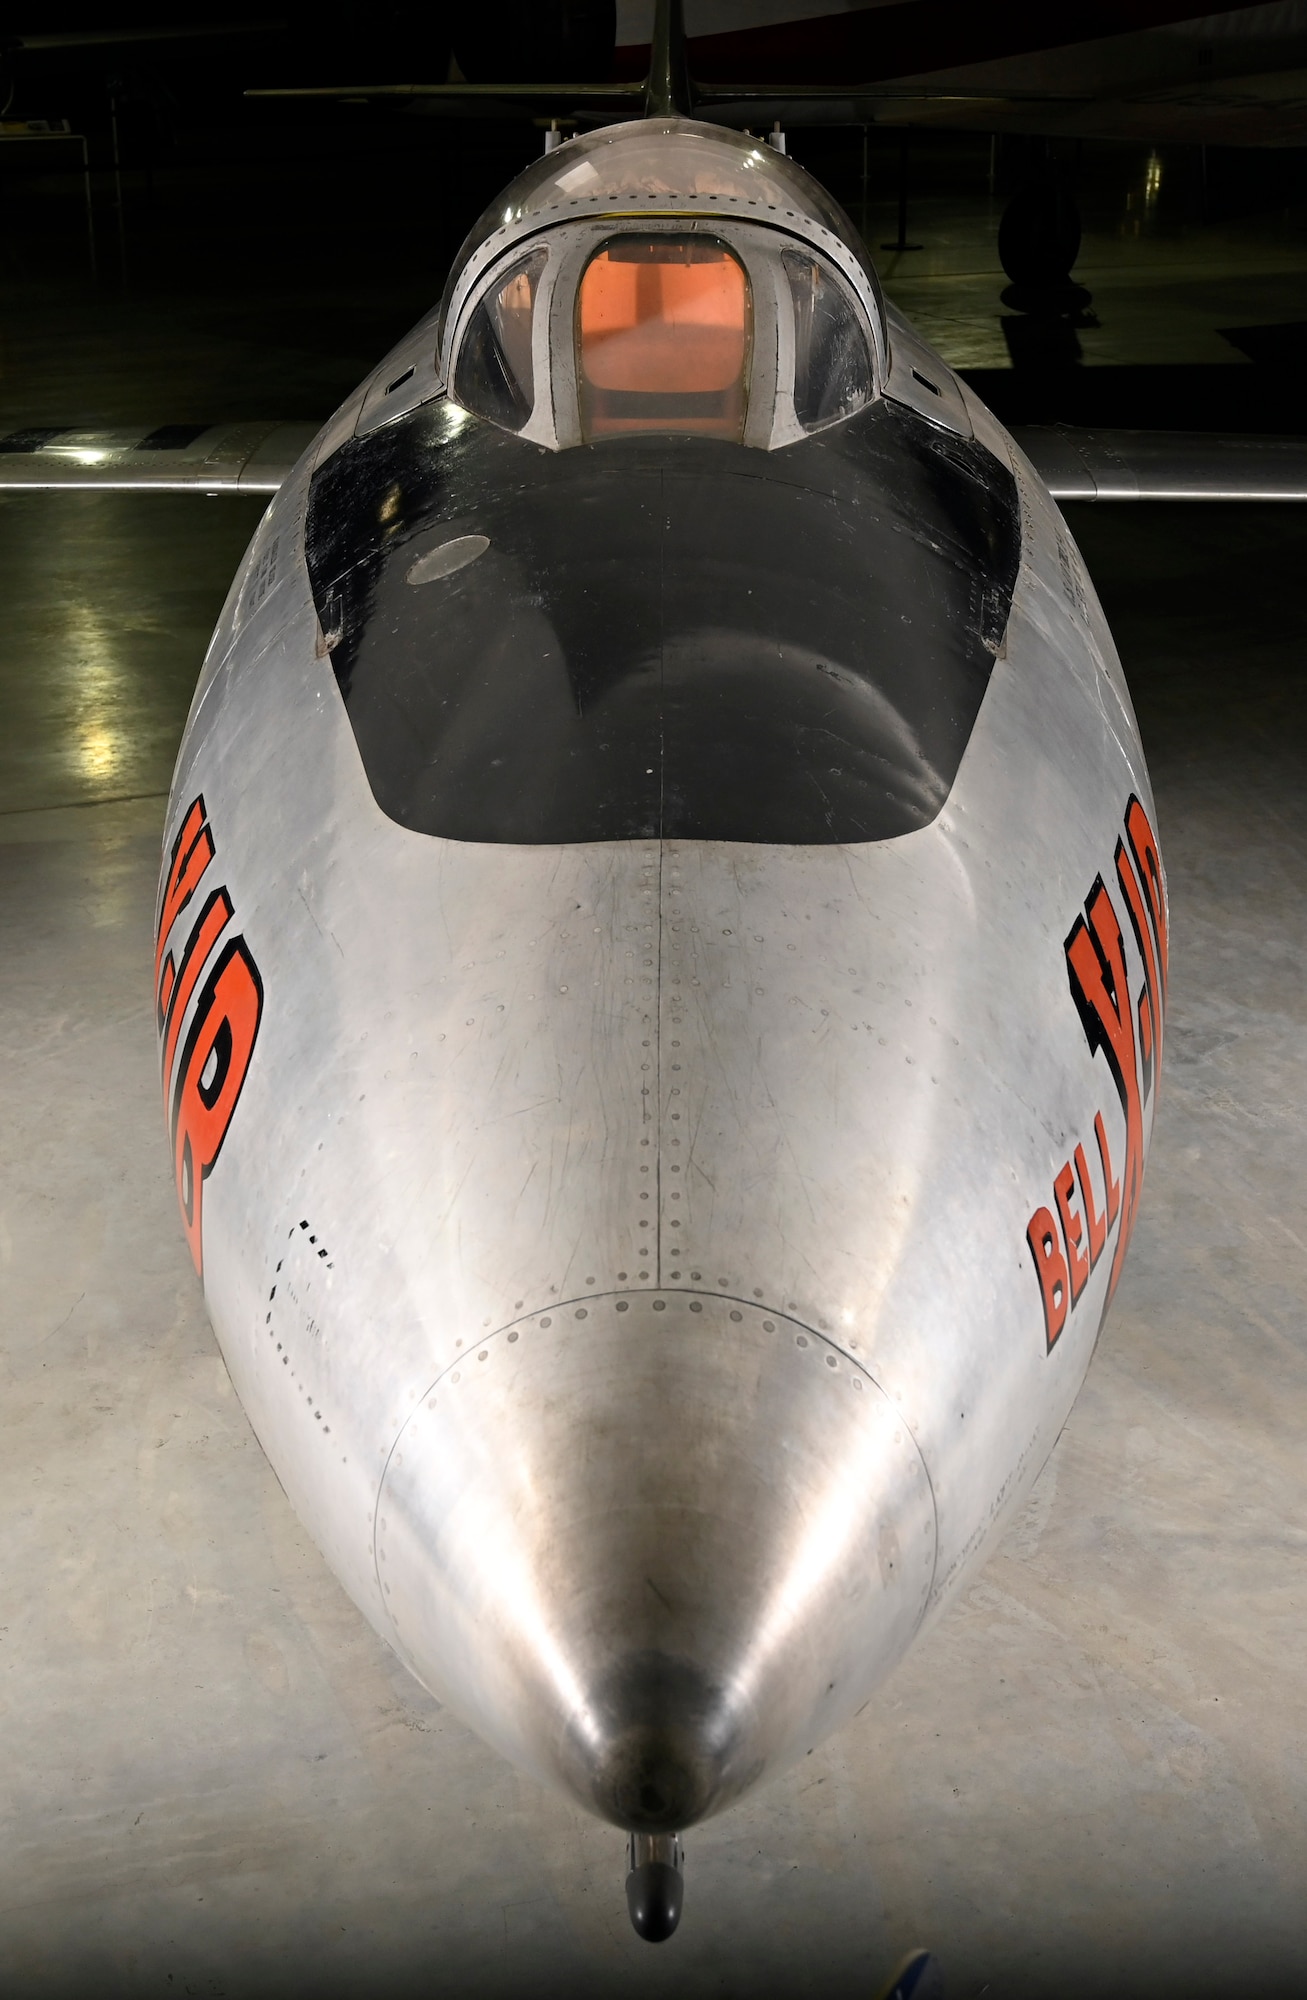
{"x": 1163, "y": 295}
{"x": 1090, "y": 1779}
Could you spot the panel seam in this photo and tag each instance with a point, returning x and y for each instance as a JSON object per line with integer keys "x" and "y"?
{"x": 657, "y": 1037}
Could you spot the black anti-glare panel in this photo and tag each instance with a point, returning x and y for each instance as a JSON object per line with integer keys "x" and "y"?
{"x": 35, "y": 439}
{"x": 667, "y": 636}
{"x": 173, "y": 437}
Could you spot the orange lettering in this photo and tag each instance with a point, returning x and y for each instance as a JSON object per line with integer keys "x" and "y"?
{"x": 210, "y": 1075}
{"x": 1150, "y": 1013}
{"x": 1093, "y": 1221}
{"x": 1130, "y": 1037}
{"x": 1143, "y": 845}
{"x": 1113, "y": 1187}
{"x": 192, "y": 851}
{"x": 1095, "y": 956}
{"x": 1050, "y": 1268}
{"x": 213, "y": 918}
{"x": 1072, "y": 1232}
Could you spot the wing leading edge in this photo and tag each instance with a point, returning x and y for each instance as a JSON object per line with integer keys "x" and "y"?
{"x": 1165, "y": 465}
{"x": 172, "y": 458}
{"x": 258, "y": 457}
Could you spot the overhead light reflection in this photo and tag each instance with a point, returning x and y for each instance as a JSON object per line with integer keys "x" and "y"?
{"x": 831, "y": 1545}
{"x": 98, "y": 752}
{"x": 79, "y": 454}
{"x": 99, "y": 704}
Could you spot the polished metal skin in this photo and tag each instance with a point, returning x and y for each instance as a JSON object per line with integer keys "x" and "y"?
{"x": 1165, "y": 465}
{"x": 638, "y": 1258}
{"x": 180, "y": 458}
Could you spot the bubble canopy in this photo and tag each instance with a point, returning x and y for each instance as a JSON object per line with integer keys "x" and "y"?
{"x": 660, "y": 167}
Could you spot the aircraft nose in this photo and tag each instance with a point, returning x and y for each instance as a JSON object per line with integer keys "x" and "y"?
{"x": 666, "y": 1736}
{"x": 653, "y": 1545}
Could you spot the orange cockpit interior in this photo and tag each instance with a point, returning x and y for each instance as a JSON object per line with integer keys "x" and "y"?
{"x": 663, "y": 334}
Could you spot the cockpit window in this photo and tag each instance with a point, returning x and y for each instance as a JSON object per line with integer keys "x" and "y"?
{"x": 832, "y": 368}
{"x": 496, "y": 377}
{"x": 663, "y": 334}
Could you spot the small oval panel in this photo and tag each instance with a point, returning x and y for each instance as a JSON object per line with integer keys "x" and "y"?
{"x": 448, "y": 558}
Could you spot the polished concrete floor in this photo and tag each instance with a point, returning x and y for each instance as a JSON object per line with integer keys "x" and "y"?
{"x": 1090, "y": 1779}
{"x": 1160, "y": 294}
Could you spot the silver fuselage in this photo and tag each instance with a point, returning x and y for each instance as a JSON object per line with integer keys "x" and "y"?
{"x": 628, "y": 1252}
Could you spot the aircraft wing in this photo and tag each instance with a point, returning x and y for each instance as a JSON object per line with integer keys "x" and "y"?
{"x": 1164, "y": 465}
{"x": 1268, "y": 110}
{"x": 257, "y": 457}
{"x": 171, "y": 458}
{"x": 488, "y": 100}
{"x": 66, "y": 39}
{"x": 1151, "y": 70}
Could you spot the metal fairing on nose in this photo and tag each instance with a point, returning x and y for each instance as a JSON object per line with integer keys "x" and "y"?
{"x": 661, "y": 1542}
{"x": 652, "y": 1554}
{"x": 665, "y": 636}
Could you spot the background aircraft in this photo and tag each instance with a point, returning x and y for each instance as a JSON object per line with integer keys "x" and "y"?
{"x": 1162, "y": 71}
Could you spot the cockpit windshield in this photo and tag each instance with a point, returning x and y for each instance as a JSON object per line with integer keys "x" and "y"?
{"x": 608, "y": 327}
{"x": 496, "y": 374}
{"x": 832, "y": 368}
{"x": 663, "y": 330}
{"x": 664, "y": 275}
